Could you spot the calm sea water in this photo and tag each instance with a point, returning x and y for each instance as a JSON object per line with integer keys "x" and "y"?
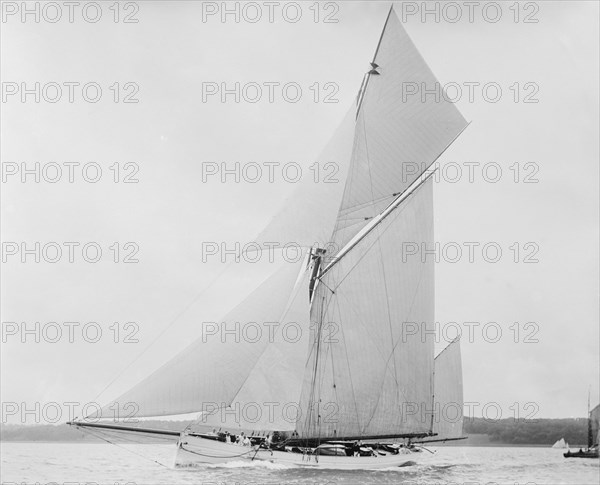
{"x": 107, "y": 464}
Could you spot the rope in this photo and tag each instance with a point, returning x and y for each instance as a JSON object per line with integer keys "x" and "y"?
{"x": 122, "y": 447}
{"x": 212, "y": 456}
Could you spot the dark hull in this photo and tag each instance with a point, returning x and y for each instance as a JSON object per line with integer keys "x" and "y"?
{"x": 581, "y": 454}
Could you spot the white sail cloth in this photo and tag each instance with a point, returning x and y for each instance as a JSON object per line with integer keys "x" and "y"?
{"x": 448, "y": 393}
{"x": 358, "y": 372}
{"x": 366, "y": 375}
{"x": 212, "y": 369}
{"x": 309, "y": 214}
{"x": 399, "y": 132}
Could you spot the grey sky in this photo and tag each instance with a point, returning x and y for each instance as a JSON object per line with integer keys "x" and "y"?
{"x": 171, "y": 132}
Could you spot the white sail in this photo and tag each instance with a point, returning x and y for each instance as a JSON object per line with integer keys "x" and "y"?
{"x": 560, "y": 444}
{"x": 398, "y": 134}
{"x": 356, "y": 371}
{"x": 211, "y": 370}
{"x": 269, "y": 398}
{"x": 309, "y": 214}
{"x": 366, "y": 376}
{"x": 448, "y": 393}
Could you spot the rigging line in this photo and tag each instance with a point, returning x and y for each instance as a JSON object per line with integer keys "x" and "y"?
{"x": 396, "y": 215}
{"x": 285, "y": 312}
{"x": 360, "y": 319}
{"x": 358, "y": 262}
{"x": 354, "y": 400}
{"x": 325, "y": 285}
{"x": 399, "y": 200}
{"x": 130, "y": 451}
{"x": 134, "y": 433}
{"x": 335, "y": 392}
{"x": 362, "y": 205}
{"x": 392, "y": 354}
{"x": 311, "y": 396}
{"x": 454, "y": 340}
{"x": 380, "y": 352}
{"x": 368, "y": 157}
{"x": 412, "y": 303}
{"x": 389, "y": 312}
{"x": 432, "y": 390}
{"x": 324, "y": 310}
{"x": 170, "y": 439}
{"x": 393, "y": 210}
{"x": 173, "y": 321}
{"x": 219, "y": 456}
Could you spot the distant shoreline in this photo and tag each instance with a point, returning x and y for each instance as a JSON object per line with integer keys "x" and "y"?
{"x": 433, "y": 445}
{"x": 510, "y": 432}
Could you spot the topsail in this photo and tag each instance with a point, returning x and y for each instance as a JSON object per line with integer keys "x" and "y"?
{"x": 399, "y": 133}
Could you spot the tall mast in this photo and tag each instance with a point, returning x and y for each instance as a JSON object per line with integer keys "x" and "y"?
{"x": 374, "y": 66}
{"x": 590, "y": 437}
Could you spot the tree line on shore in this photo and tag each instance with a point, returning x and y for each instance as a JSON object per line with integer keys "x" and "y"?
{"x": 508, "y": 431}
{"x": 511, "y": 431}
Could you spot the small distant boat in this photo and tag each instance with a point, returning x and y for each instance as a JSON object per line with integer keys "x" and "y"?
{"x": 593, "y": 432}
{"x": 589, "y": 453}
{"x": 560, "y": 444}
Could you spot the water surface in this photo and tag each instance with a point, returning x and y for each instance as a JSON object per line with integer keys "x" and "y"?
{"x": 61, "y": 463}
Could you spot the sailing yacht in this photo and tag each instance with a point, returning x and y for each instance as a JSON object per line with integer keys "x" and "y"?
{"x": 560, "y": 444}
{"x": 360, "y": 396}
{"x": 593, "y": 429}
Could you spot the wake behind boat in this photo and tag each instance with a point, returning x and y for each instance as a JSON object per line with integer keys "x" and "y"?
{"x": 359, "y": 400}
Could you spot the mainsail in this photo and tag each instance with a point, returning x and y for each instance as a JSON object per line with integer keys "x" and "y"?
{"x": 355, "y": 371}
{"x": 366, "y": 375}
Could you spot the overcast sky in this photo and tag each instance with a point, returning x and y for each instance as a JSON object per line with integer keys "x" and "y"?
{"x": 172, "y": 133}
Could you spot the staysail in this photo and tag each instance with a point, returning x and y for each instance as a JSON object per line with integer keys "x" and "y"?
{"x": 269, "y": 397}
{"x": 212, "y": 369}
